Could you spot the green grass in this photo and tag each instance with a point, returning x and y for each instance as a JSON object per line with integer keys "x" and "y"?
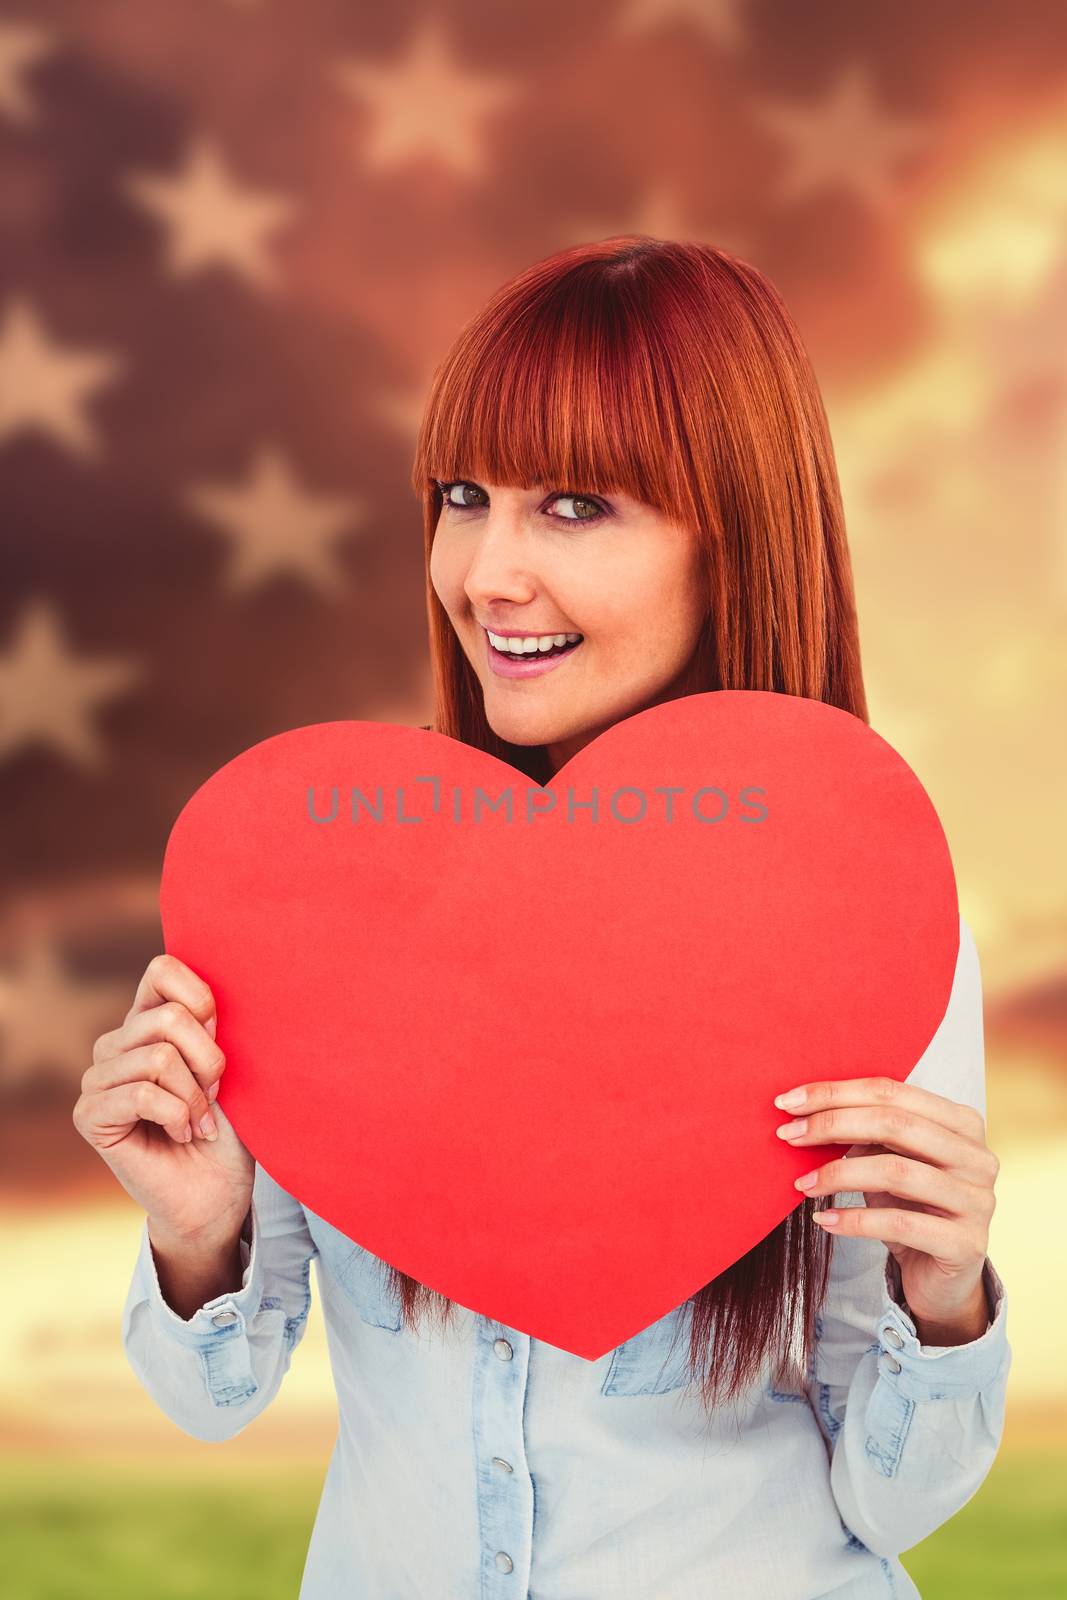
{"x": 99, "y": 1531}
{"x": 81, "y": 1533}
{"x": 1009, "y": 1542}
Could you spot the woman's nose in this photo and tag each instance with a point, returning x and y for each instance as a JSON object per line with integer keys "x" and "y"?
{"x": 499, "y": 566}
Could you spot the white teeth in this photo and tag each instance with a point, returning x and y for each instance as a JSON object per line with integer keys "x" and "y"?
{"x": 540, "y": 641}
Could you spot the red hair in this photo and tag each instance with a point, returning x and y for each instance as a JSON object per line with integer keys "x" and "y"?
{"x": 672, "y": 372}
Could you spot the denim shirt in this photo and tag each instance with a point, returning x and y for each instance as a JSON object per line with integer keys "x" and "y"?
{"x": 477, "y": 1463}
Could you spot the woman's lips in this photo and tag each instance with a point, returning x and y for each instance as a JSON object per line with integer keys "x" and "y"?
{"x": 526, "y": 666}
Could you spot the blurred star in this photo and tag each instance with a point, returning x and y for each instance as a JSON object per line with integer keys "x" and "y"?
{"x": 20, "y": 46}
{"x": 402, "y": 410}
{"x": 661, "y": 213}
{"x": 844, "y": 141}
{"x": 211, "y": 220}
{"x": 718, "y": 18}
{"x": 275, "y": 525}
{"x": 43, "y": 387}
{"x": 429, "y": 102}
{"x": 49, "y": 1018}
{"x": 46, "y": 692}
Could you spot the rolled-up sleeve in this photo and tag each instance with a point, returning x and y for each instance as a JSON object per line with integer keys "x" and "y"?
{"x": 912, "y": 1430}
{"x": 213, "y": 1372}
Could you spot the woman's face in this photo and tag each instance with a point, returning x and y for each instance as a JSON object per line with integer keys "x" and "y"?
{"x": 539, "y": 562}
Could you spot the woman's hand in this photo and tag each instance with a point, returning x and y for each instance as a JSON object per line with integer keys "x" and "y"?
{"x": 152, "y": 1085}
{"x": 927, "y": 1175}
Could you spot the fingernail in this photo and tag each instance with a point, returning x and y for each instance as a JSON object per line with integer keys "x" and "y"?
{"x": 806, "y": 1180}
{"x": 207, "y": 1127}
{"x": 829, "y": 1217}
{"x": 213, "y": 1091}
{"x": 792, "y": 1130}
{"x": 795, "y": 1097}
{"x": 210, "y": 1026}
{"x": 188, "y": 1134}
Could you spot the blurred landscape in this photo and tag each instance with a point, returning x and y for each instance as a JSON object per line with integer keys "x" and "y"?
{"x": 236, "y": 237}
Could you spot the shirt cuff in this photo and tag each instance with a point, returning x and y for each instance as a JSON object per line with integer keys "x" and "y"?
{"x": 939, "y": 1372}
{"x": 221, "y": 1319}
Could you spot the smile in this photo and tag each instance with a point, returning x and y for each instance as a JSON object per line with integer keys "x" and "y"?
{"x": 529, "y": 656}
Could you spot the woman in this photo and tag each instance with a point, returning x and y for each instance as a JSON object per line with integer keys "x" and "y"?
{"x": 624, "y": 464}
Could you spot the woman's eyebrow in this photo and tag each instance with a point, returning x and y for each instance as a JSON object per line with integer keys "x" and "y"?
{"x": 464, "y": 477}
{"x": 535, "y": 491}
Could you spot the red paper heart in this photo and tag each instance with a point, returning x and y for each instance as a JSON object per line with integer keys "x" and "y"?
{"x": 532, "y": 1062}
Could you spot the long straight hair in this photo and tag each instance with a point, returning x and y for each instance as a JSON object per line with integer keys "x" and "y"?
{"x": 672, "y": 372}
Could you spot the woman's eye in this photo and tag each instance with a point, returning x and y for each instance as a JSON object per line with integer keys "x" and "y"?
{"x": 593, "y": 510}
{"x": 446, "y": 491}
{"x": 592, "y": 514}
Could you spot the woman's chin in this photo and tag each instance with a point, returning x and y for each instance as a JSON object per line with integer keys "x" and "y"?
{"x": 525, "y": 727}
{"x": 521, "y": 730}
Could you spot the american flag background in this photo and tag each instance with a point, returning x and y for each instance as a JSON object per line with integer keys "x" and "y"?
{"x": 236, "y": 238}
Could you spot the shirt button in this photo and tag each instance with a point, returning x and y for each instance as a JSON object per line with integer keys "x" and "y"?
{"x": 504, "y": 1561}
{"x": 892, "y": 1337}
{"x": 221, "y": 1318}
{"x": 505, "y": 1466}
{"x": 503, "y": 1350}
{"x": 892, "y": 1363}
